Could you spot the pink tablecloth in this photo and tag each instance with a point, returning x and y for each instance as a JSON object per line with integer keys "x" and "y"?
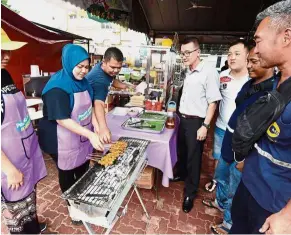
{"x": 161, "y": 151}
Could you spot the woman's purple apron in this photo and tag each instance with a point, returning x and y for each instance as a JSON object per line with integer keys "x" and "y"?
{"x": 73, "y": 148}
{"x": 20, "y": 144}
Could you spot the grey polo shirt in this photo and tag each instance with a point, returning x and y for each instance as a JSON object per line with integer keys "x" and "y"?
{"x": 201, "y": 87}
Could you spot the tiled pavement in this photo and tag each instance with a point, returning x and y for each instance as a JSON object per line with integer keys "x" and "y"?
{"x": 166, "y": 214}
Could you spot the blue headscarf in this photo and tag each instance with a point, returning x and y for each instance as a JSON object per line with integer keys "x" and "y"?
{"x": 64, "y": 79}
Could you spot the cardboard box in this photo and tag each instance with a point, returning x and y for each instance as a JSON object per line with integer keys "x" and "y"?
{"x": 147, "y": 178}
{"x": 109, "y": 105}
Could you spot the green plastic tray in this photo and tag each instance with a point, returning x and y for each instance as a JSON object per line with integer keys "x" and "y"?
{"x": 159, "y": 125}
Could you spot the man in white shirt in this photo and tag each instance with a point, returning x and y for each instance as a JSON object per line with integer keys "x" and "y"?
{"x": 197, "y": 107}
{"x": 231, "y": 82}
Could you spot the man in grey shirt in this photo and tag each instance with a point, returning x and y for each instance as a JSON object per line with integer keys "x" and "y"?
{"x": 197, "y": 106}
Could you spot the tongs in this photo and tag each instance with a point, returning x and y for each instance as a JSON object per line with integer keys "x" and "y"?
{"x": 142, "y": 125}
{"x": 146, "y": 126}
{"x": 134, "y": 123}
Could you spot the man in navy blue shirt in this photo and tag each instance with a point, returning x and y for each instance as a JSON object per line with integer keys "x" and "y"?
{"x": 228, "y": 172}
{"x": 262, "y": 203}
{"x": 101, "y": 77}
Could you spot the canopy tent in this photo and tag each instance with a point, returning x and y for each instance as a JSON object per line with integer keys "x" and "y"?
{"x": 224, "y": 18}
{"x": 43, "y": 49}
{"x": 117, "y": 11}
{"x": 215, "y": 22}
{"x": 205, "y": 17}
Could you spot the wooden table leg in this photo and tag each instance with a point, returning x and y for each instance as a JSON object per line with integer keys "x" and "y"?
{"x": 157, "y": 184}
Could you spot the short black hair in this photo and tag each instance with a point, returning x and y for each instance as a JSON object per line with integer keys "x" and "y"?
{"x": 113, "y": 52}
{"x": 240, "y": 41}
{"x": 194, "y": 40}
{"x": 251, "y": 45}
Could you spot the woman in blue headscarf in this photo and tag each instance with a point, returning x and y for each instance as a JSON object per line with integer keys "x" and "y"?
{"x": 66, "y": 131}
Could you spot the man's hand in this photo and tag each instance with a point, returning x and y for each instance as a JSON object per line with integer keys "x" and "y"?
{"x": 14, "y": 179}
{"x": 130, "y": 86}
{"x": 202, "y": 133}
{"x": 240, "y": 166}
{"x": 105, "y": 135}
{"x": 278, "y": 223}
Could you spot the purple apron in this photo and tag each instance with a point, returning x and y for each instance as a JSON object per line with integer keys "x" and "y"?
{"x": 73, "y": 148}
{"x": 20, "y": 144}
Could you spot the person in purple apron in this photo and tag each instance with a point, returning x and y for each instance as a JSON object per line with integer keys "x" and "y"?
{"x": 66, "y": 130}
{"x": 22, "y": 164}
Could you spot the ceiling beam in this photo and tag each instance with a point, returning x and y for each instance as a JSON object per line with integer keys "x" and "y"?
{"x": 145, "y": 15}
{"x": 178, "y": 12}
{"x": 218, "y": 33}
{"x": 160, "y": 12}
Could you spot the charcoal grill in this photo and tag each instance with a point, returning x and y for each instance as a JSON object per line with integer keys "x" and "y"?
{"x": 97, "y": 197}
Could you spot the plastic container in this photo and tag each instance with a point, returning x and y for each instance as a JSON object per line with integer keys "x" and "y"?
{"x": 148, "y": 105}
{"x": 132, "y": 112}
{"x": 154, "y": 106}
{"x": 159, "y": 106}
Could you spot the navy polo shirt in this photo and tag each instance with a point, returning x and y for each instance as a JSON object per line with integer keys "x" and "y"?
{"x": 242, "y": 101}
{"x": 267, "y": 169}
{"x": 100, "y": 82}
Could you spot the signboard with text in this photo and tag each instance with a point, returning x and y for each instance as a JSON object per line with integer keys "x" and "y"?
{"x": 117, "y": 11}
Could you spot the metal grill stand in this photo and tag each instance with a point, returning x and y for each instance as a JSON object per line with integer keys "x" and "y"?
{"x": 98, "y": 196}
{"x": 123, "y": 212}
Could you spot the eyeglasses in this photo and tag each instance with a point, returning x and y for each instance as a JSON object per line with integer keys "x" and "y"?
{"x": 187, "y": 53}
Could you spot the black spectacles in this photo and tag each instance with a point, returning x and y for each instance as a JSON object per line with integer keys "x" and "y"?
{"x": 187, "y": 53}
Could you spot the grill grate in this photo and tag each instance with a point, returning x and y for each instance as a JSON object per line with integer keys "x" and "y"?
{"x": 100, "y": 186}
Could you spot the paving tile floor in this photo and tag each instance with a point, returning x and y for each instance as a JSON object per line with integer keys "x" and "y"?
{"x": 166, "y": 214}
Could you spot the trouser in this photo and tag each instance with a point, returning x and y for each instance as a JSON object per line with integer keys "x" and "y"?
{"x": 20, "y": 216}
{"x": 190, "y": 154}
{"x": 68, "y": 177}
{"x": 228, "y": 178}
{"x": 247, "y": 215}
{"x": 217, "y": 143}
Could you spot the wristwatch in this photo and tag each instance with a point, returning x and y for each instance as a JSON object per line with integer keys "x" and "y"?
{"x": 206, "y": 125}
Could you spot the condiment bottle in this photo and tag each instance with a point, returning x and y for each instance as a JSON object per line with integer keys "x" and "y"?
{"x": 170, "y": 123}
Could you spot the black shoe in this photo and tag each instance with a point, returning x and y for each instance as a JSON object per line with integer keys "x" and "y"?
{"x": 177, "y": 178}
{"x": 77, "y": 222}
{"x": 187, "y": 204}
{"x": 42, "y": 227}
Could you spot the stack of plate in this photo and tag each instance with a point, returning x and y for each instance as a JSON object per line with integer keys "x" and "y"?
{"x": 137, "y": 100}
